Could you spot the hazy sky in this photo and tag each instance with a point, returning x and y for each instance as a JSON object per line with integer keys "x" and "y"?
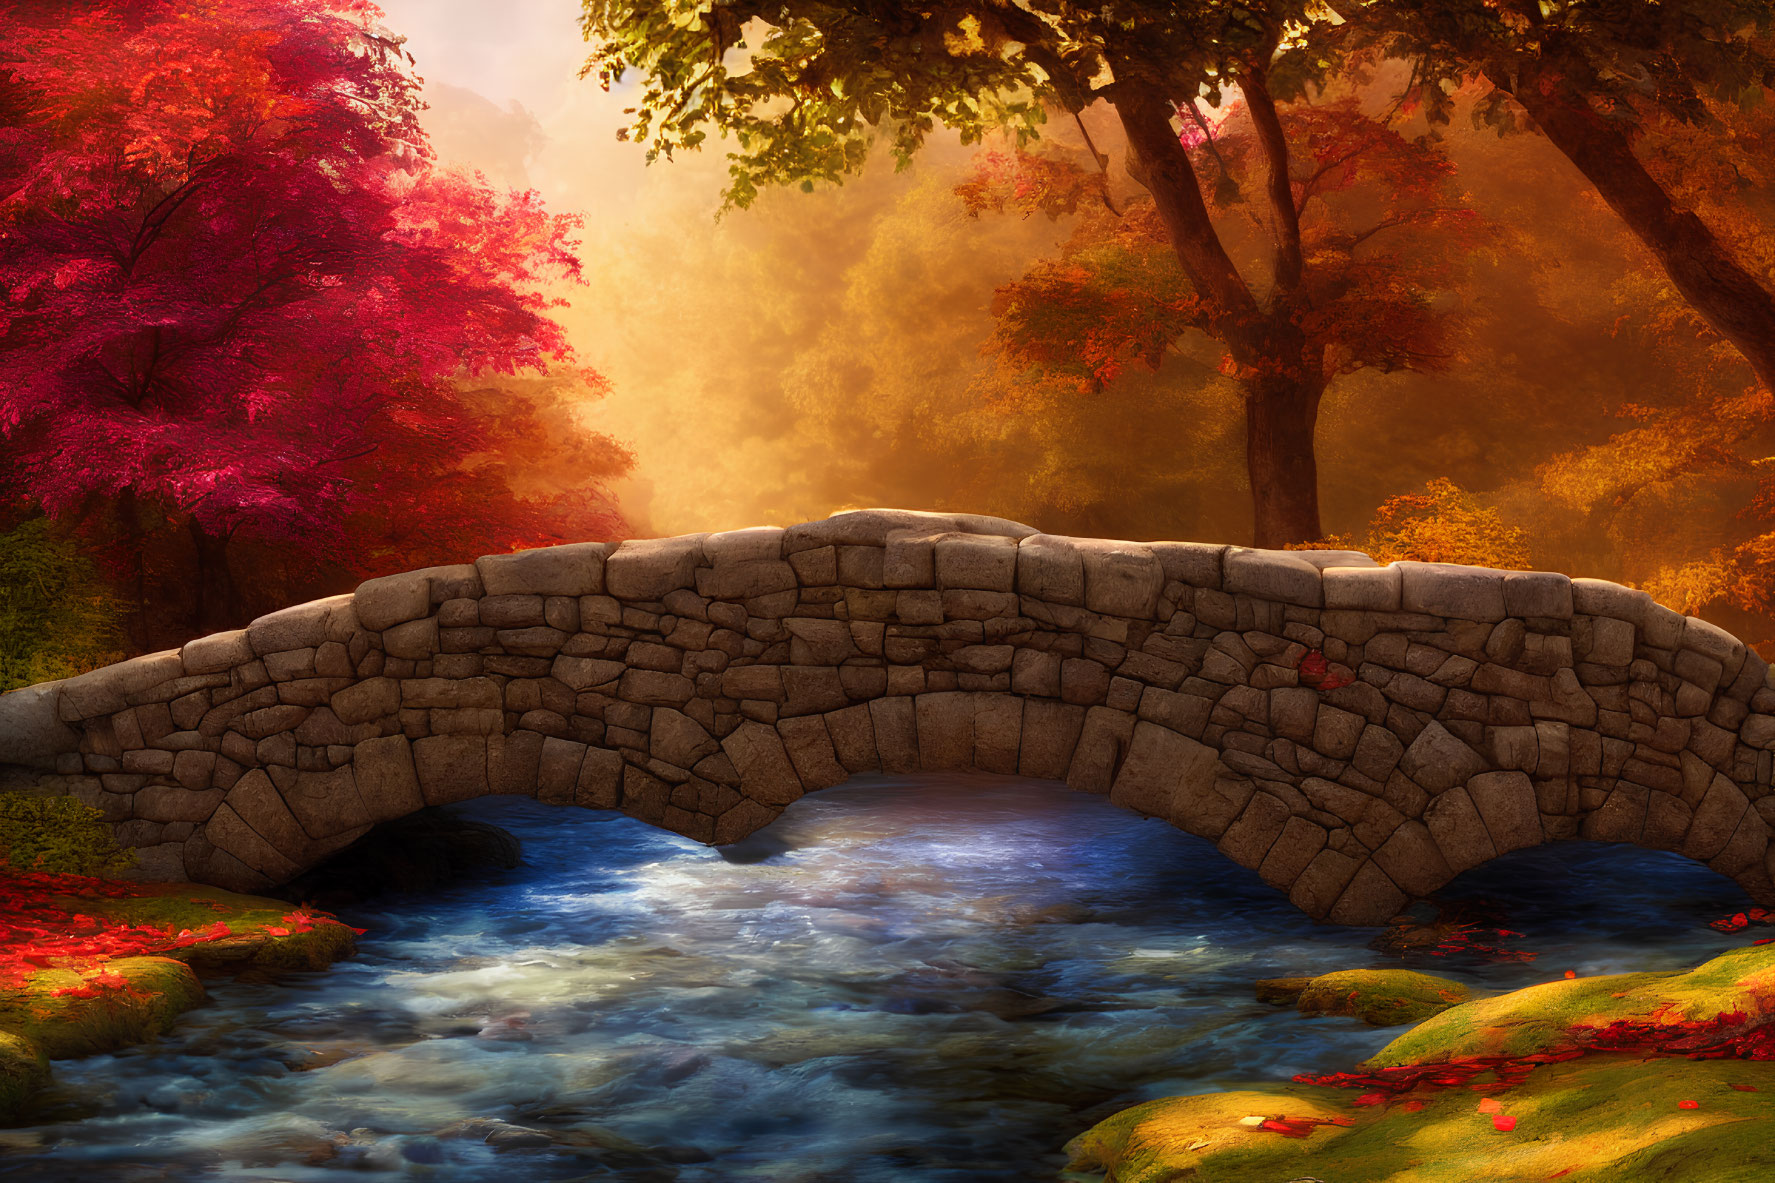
{"x": 716, "y": 336}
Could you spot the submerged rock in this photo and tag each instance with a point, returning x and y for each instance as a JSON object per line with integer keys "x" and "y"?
{"x": 1379, "y": 997}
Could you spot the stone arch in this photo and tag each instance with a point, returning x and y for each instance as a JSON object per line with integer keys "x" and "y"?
{"x": 1357, "y": 734}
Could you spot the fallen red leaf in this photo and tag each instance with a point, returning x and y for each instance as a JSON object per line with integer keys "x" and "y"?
{"x": 1503, "y": 1122}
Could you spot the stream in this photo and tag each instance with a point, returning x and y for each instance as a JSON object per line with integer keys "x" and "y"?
{"x": 935, "y": 978}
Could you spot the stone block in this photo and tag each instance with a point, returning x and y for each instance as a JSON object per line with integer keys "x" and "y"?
{"x": 946, "y": 730}
{"x": 678, "y": 739}
{"x": 895, "y": 723}
{"x": 600, "y": 780}
{"x": 980, "y": 562}
{"x": 371, "y": 699}
{"x": 1051, "y": 569}
{"x": 1196, "y": 564}
{"x": 1121, "y": 578}
{"x": 1412, "y": 859}
{"x": 327, "y": 803}
{"x": 1324, "y": 880}
{"x": 576, "y": 569}
{"x": 1247, "y": 841}
{"x": 820, "y": 642}
{"x": 1048, "y": 738}
{"x": 392, "y": 599}
{"x": 1162, "y": 772}
{"x": 1621, "y": 817}
{"x": 513, "y": 761}
{"x": 1277, "y": 575}
{"x": 811, "y": 751}
{"x": 647, "y": 569}
{"x": 909, "y": 559}
{"x": 758, "y": 755}
{"x": 653, "y": 688}
{"x": 557, "y": 772}
{"x": 1718, "y": 815}
{"x": 166, "y": 803}
{"x": 1361, "y": 589}
{"x": 1538, "y": 593}
{"x": 216, "y": 653}
{"x": 1371, "y": 898}
{"x": 31, "y": 729}
{"x": 853, "y": 738}
{"x": 1600, "y": 597}
{"x": 745, "y": 579}
{"x": 387, "y": 781}
{"x": 1102, "y": 741}
{"x": 1444, "y": 589}
{"x": 998, "y": 732}
{"x": 451, "y": 767}
{"x": 1506, "y": 803}
{"x": 1298, "y": 844}
{"x": 302, "y": 626}
{"x": 1459, "y": 831}
{"x": 1438, "y": 761}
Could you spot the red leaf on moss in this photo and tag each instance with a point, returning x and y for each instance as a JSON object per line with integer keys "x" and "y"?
{"x": 1503, "y": 1122}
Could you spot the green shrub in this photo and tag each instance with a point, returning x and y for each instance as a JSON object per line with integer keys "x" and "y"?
{"x": 58, "y": 834}
{"x": 57, "y": 616}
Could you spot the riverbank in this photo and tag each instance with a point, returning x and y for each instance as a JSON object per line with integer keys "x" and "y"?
{"x": 91, "y": 965}
{"x": 1621, "y": 1077}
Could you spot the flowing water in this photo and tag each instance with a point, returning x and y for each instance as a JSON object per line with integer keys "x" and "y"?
{"x": 930, "y": 978}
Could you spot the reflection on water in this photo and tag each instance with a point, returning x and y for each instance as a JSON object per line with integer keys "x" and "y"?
{"x": 937, "y": 978}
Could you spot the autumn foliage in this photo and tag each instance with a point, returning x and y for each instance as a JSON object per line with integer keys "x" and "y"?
{"x": 242, "y": 296}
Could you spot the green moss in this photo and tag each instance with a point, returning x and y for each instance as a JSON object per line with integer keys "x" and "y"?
{"x": 1540, "y": 1018}
{"x": 58, "y": 834}
{"x": 157, "y": 990}
{"x": 1610, "y": 1117}
{"x": 23, "y": 1070}
{"x": 1379, "y": 997}
{"x": 36, "y": 1023}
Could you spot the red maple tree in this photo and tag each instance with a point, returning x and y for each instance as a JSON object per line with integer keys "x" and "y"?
{"x": 241, "y": 295}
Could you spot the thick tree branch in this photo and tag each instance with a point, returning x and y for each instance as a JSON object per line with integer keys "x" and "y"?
{"x": 1280, "y": 189}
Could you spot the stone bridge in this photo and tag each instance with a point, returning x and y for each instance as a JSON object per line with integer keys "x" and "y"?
{"x": 1356, "y": 734}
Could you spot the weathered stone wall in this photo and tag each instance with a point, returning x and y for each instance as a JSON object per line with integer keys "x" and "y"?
{"x": 1357, "y": 734}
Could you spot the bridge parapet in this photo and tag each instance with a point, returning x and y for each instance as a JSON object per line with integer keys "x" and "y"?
{"x": 1357, "y": 734}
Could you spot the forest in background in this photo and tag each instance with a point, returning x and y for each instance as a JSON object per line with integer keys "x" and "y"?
{"x": 1512, "y": 377}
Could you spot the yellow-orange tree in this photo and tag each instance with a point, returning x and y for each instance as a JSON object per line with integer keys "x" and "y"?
{"x": 826, "y": 75}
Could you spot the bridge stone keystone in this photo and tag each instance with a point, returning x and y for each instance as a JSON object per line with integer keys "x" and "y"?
{"x": 1272, "y": 575}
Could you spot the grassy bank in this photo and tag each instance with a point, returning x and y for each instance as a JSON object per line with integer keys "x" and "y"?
{"x": 90, "y": 965}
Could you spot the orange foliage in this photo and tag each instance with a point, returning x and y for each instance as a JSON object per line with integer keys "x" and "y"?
{"x": 1443, "y": 524}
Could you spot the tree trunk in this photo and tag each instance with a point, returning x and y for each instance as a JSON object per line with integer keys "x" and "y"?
{"x": 1732, "y": 300}
{"x": 1281, "y": 413}
{"x": 1282, "y": 395}
{"x": 215, "y": 605}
